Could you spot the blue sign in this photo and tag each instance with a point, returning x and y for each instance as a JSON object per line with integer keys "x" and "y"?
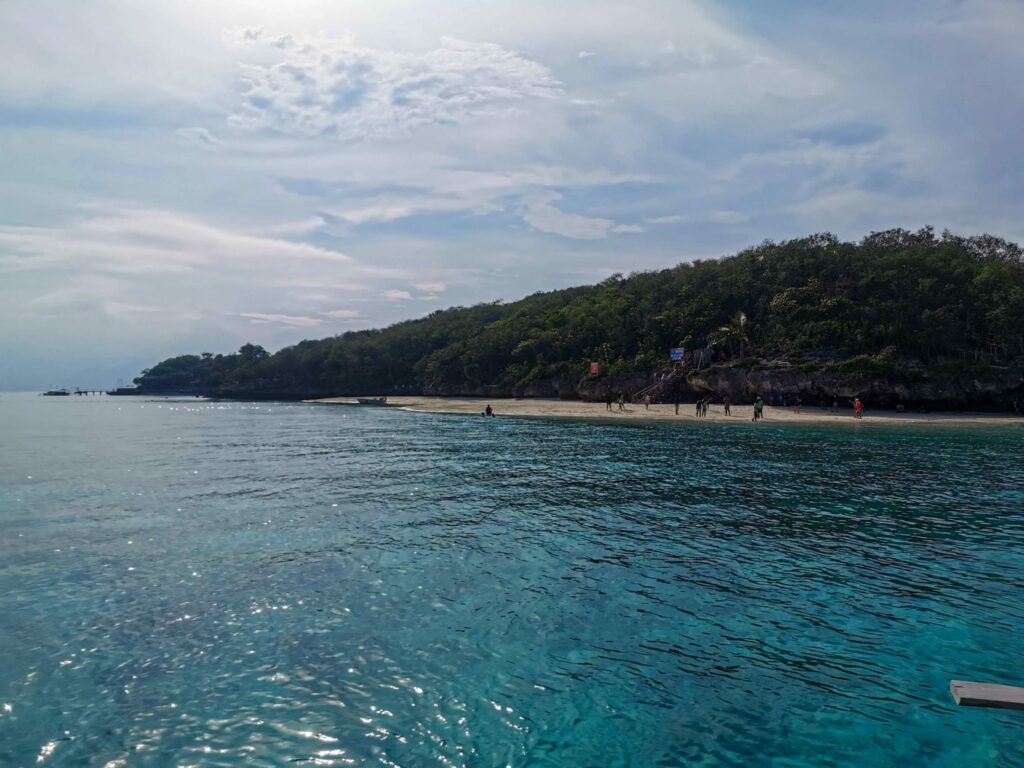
{"x": 676, "y": 353}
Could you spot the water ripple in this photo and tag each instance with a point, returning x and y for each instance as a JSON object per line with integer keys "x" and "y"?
{"x": 267, "y": 584}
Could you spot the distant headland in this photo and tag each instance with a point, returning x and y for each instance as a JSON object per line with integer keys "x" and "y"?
{"x": 900, "y": 319}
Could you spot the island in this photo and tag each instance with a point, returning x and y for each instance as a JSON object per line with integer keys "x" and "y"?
{"x": 903, "y": 320}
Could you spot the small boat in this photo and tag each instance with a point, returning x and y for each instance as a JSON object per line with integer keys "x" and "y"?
{"x": 56, "y": 393}
{"x": 372, "y": 400}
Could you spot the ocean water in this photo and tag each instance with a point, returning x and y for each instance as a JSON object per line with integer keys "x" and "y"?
{"x": 185, "y": 583}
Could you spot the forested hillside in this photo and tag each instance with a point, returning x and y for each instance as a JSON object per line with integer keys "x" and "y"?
{"x": 895, "y": 306}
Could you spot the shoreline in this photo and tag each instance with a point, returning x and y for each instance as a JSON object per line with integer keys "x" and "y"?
{"x": 665, "y": 413}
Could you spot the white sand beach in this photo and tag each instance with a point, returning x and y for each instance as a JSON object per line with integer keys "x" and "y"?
{"x": 576, "y": 409}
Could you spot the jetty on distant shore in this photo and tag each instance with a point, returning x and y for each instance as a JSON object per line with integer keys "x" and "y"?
{"x": 64, "y": 391}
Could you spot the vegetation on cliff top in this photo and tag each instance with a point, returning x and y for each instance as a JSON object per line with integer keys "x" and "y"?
{"x": 872, "y": 306}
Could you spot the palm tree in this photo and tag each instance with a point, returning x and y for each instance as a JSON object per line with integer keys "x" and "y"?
{"x": 736, "y": 329}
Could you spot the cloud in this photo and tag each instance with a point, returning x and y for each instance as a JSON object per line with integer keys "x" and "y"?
{"x": 847, "y": 134}
{"x": 328, "y": 87}
{"x": 122, "y": 309}
{"x": 198, "y": 137}
{"x": 544, "y": 140}
{"x": 396, "y": 295}
{"x": 243, "y": 36}
{"x": 119, "y": 239}
{"x": 433, "y": 287}
{"x": 728, "y": 217}
{"x": 432, "y": 190}
{"x": 343, "y": 314}
{"x": 413, "y": 205}
{"x": 292, "y": 321}
{"x": 541, "y": 214}
{"x": 296, "y": 228}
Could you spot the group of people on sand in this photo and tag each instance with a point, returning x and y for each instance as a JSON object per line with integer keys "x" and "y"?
{"x": 796, "y": 402}
{"x": 609, "y": 398}
{"x": 702, "y": 405}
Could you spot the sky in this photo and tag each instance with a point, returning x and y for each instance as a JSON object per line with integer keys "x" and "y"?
{"x": 188, "y": 176}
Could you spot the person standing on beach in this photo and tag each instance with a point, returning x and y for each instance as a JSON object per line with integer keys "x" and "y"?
{"x": 725, "y": 406}
{"x": 647, "y": 402}
{"x": 758, "y": 408}
{"x": 858, "y": 406}
{"x": 797, "y": 402}
{"x": 622, "y": 401}
{"x": 608, "y": 400}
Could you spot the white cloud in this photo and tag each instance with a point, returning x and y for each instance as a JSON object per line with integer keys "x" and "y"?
{"x": 717, "y": 129}
{"x": 541, "y": 214}
{"x": 394, "y": 295}
{"x": 412, "y": 205}
{"x": 117, "y": 239}
{"x": 296, "y": 228}
{"x": 122, "y": 309}
{"x": 343, "y": 314}
{"x": 429, "y": 189}
{"x": 292, "y": 321}
{"x": 198, "y": 137}
{"x": 728, "y": 217}
{"x": 432, "y": 287}
{"x": 116, "y": 276}
{"x": 332, "y": 88}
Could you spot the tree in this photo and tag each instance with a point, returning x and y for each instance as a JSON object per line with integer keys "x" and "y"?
{"x": 252, "y": 352}
{"x": 736, "y": 329}
{"x": 935, "y": 301}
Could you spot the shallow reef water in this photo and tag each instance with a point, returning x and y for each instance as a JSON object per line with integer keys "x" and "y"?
{"x": 216, "y": 584}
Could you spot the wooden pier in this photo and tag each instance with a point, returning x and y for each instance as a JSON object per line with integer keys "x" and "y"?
{"x": 968, "y": 694}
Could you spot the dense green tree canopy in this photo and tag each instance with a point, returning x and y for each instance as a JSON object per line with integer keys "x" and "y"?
{"x": 895, "y": 295}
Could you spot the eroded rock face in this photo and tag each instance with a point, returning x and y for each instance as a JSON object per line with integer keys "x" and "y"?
{"x": 562, "y": 389}
{"x": 994, "y": 389}
{"x": 598, "y": 388}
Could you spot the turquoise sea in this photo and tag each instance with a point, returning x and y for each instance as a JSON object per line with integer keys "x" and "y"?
{"x": 186, "y": 583}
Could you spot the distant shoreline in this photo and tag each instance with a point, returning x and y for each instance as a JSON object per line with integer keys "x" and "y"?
{"x": 665, "y": 413}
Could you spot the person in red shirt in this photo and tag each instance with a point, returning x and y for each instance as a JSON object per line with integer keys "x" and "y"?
{"x": 858, "y": 406}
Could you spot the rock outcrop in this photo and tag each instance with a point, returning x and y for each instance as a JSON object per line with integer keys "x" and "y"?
{"x": 992, "y": 388}
{"x": 983, "y": 388}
